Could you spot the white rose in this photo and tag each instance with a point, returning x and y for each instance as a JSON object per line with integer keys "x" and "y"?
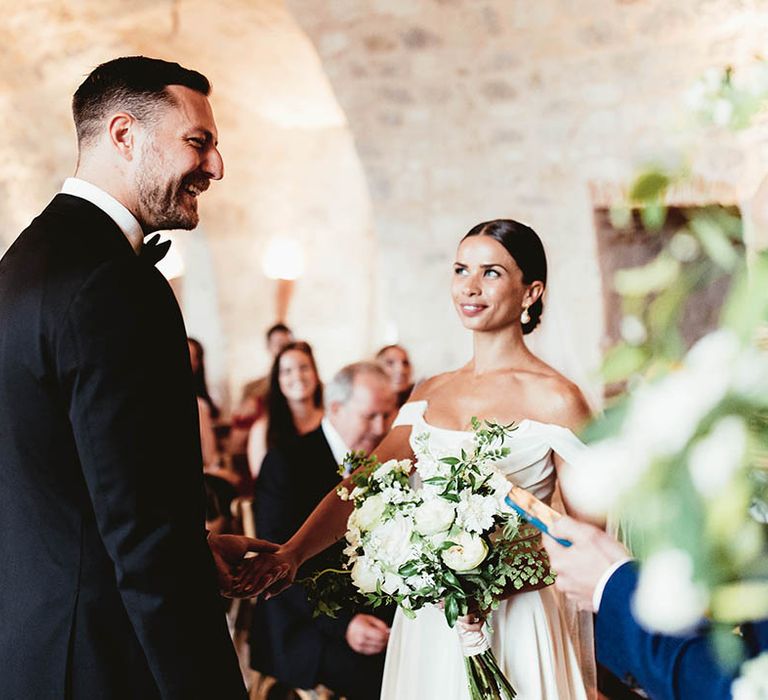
{"x": 393, "y": 541}
{"x": 364, "y": 576}
{"x": 715, "y": 457}
{"x": 393, "y": 584}
{"x": 433, "y": 516}
{"x": 370, "y": 512}
{"x": 667, "y": 600}
{"x": 468, "y": 552}
{"x": 752, "y": 684}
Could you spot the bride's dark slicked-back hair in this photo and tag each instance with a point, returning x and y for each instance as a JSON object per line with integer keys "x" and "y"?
{"x": 527, "y": 250}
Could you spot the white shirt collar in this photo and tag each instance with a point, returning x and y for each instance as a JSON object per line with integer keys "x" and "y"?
{"x": 110, "y": 206}
{"x": 335, "y": 441}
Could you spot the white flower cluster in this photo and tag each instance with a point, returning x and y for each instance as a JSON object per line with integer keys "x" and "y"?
{"x": 667, "y": 599}
{"x": 401, "y": 539}
{"x": 716, "y": 97}
{"x": 663, "y": 419}
{"x": 752, "y": 684}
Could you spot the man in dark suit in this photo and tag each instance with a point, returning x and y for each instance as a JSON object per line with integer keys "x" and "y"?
{"x": 108, "y": 588}
{"x": 346, "y": 653}
{"x": 596, "y": 572}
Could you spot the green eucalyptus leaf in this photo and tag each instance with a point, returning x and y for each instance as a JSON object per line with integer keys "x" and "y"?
{"x": 715, "y": 242}
{"x": 451, "y": 609}
{"x": 653, "y": 215}
{"x": 622, "y": 361}
{"x": 649, "y": 186}
{"x": 646, "y": 279}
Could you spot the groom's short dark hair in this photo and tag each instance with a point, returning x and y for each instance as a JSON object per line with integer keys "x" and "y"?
{"x": 135, "y": 84}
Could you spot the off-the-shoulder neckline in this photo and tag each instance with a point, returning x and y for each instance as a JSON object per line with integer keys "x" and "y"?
{"x": 521, "y": 424}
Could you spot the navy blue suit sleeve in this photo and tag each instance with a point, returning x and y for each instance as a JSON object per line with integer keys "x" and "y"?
{"x": 666, "y": 667}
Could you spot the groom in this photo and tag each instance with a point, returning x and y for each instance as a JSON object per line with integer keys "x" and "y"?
{"x": 108, "y": 587}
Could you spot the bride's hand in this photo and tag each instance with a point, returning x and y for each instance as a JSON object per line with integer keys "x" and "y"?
{"x": 471, "y": 622}
{"x": 268, "y": 573}
{"x": 229, "y": 554}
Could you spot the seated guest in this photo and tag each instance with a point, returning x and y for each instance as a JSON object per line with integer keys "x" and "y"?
{"x": 344, "y": 654}
{"x": 206, "y": 409}
{"x": 252, "y": 402}
{"x": 294, "y": 403}
{"x": 394, "y": 360}
{"x": 197, "y": 360}
{"x": 596, "y": 572}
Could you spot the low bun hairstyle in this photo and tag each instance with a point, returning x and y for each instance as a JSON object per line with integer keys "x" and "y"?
{"x": 527, "y": 250}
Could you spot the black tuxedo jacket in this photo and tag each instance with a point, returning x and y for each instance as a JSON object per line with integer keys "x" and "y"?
{"x": 286, "y": 642}
{"x": 107, "y": 586}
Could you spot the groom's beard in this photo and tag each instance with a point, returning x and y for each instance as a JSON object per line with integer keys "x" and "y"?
{"x": 164, "y": 203}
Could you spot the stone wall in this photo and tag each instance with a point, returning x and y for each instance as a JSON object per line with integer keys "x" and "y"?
{"x": 465, "y": 110}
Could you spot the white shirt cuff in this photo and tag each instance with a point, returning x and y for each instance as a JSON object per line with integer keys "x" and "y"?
{"x": 602, "y": 582}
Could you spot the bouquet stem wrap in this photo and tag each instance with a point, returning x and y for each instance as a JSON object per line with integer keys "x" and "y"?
{"x": 485, "y": 679}
{"x": 472, "y": 642}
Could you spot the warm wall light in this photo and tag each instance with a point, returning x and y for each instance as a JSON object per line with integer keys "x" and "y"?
{"x": 283, "y": 259}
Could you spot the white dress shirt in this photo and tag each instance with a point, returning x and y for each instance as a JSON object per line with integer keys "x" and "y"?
{"x": 335, "y": 441}
{"x": 126, "y": 221}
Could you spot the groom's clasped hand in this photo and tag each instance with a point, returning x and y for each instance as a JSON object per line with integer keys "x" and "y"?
{"x": 270, "y": 572}
{"x": 230, "y": 556}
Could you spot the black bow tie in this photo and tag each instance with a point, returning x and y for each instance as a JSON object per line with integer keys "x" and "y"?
{"x": 153, "y": 251}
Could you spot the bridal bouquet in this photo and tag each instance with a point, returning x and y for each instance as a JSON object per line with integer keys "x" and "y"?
{"x": 451, "y": 542}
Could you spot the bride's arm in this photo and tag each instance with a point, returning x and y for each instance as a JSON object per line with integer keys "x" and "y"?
{"x": 326, "y": 524}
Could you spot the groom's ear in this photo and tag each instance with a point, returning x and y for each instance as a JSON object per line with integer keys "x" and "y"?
{"x": 122, "y": 129}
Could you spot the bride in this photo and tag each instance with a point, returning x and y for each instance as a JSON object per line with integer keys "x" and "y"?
{"x": 498, "y": 281}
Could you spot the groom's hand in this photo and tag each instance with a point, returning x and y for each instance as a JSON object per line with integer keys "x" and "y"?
{"x": 582, "y": 566}
{"x": 229, "y": 555}
{"x": 269, "y": 573}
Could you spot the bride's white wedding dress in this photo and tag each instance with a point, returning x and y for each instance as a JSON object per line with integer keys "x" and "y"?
{"x": 531, "y": 638}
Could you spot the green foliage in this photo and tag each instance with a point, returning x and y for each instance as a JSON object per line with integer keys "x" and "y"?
{"x": 650, "y": 186}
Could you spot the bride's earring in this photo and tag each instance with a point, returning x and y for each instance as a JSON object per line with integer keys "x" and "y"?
{"x": 525, "y": 317}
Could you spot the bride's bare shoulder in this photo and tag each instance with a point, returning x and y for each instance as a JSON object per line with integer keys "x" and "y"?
{"x": 561, "y": 401}
{"x": 425, "y": 389}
